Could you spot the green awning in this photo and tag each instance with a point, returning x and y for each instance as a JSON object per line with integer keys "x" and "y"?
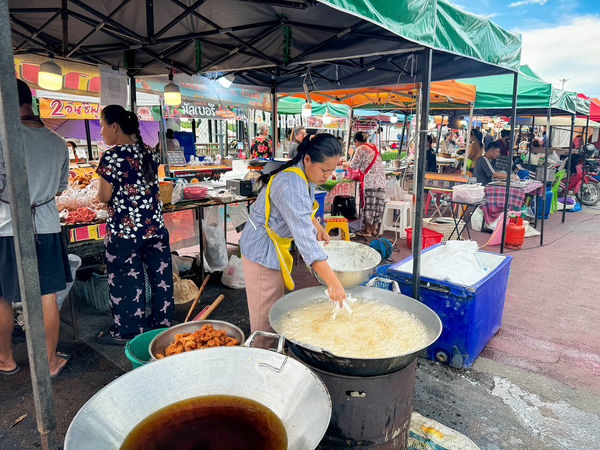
{"x": 293, "y": 105}
{"x": 494, "y": 95}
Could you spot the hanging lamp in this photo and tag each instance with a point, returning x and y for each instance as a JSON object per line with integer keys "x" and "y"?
{"x": 171, "y": 92}
{"x": 393, "y": 118}
{"x": 50, "y": 76}
{"x": 306, "y": 110}
{"x": 327, "y": 117}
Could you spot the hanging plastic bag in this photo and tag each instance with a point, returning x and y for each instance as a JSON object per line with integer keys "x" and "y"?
{"x": 177, "y": 191}
{"x": 477, "y": 219}
{"x": 233, "y": 275}
{"x": 215, "y": 247}
{"x": 239, "y": 216}
{"x": 74, "y": 264}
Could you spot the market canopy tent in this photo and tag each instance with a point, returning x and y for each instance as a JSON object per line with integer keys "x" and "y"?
{"x": 494, "y": 95}
{"x": 269, "y": 43}
{"x": 293, "y": 105}
{"x": 401, "y": 97}
{"x": 595, "y": 109}
{"x": 75, "y": 128}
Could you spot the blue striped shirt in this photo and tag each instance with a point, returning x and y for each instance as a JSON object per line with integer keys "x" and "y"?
{"x": 291, "y": 209}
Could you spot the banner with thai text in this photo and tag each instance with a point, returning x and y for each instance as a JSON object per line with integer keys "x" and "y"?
{"x": 52, "y": 108}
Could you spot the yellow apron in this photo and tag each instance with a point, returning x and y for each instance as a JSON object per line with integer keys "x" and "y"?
{"x": 282, "y": 245}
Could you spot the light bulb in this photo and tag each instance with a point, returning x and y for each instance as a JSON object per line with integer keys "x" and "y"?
{"x": 225, "y": 81}
{"x": 306, "y": 110}
{"x": 172, "y": 94}
{"x": 50, "y": 76}
{"x": 327, "y": 118}
{"x": 393, "y": 118}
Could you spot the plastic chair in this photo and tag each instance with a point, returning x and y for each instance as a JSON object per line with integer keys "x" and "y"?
{"x": 399, "y": 225}
{"x": 332, "y": 222}
{"x": 557, "y": 178}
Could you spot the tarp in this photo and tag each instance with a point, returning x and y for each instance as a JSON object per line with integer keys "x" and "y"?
{"x": 535, "y": 96}
{"x": 557, "y": 121}
{"x": 75, "y": 128}
{"x": 293, "y": 105}
{"x": 331, "y": 44}
{"x": 401, "y": 97}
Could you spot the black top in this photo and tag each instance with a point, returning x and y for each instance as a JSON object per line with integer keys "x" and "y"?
{"x": 431, "y": 161}
{"x": 483, "y": 170}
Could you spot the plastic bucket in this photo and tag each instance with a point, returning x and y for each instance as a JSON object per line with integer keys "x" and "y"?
{"x": 136, "y": 349}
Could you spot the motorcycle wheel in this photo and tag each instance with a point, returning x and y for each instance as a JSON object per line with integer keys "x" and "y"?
{"x": 589, "y": 193}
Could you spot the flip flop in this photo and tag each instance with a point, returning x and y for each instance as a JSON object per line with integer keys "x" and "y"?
{"x": 106, "y": 338}
{"x": 9, "y": 373}
{"x": 63, "y": 356}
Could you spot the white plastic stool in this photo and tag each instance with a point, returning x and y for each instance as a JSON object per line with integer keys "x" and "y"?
{"x": 403, "y": 221}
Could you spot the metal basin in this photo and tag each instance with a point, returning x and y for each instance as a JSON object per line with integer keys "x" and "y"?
{"x": 163, "y": 339}
{"x": 287, "y": 387}
{"x": 322, "y": 359}
{"x": 361, "y": 255}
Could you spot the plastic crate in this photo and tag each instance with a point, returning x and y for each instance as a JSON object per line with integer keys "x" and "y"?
{"x": 470, "y": 315}
{"x": 429, "y": 237}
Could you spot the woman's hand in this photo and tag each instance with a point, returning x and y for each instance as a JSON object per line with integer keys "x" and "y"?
{"x": 322, "y": 235}
{"x": 336, "y": 292}
{"x": 334, "y": 287}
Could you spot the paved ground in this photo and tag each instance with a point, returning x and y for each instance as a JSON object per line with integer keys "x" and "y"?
{"x": 535, "y": 385}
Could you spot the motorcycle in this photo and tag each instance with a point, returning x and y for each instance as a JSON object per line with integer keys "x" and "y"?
{"x": 583, "y": 184}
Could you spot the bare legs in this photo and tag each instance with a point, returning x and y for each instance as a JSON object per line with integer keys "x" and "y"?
{"x": 51, "y": 326}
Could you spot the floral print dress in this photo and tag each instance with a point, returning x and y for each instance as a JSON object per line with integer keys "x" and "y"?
{"x": 261, "y": 147}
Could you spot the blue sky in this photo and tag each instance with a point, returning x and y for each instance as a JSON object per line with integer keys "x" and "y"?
{"x": 561, "y": 38}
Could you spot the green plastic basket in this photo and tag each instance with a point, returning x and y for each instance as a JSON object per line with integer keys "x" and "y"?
{"x": 136, "y": 349}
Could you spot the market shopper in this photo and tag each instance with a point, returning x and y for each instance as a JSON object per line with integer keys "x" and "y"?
{"x": 298, "y": 135}
{"x": 136, "y": 235}
{"x": 475, "y": 148}
{"x": 489, "y": 138}
{"x": 47, "y": 165}
{"x": 262, "y": 145}
{"x": 172, "y": 143}
{"x": 503, "y": 142}
{"x": 368, "y": 160}
{"x": 284, "y": 211}
{"x": 431, "y": 156}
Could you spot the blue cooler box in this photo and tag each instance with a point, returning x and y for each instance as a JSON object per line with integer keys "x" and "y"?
{"x": 470, "y": 315}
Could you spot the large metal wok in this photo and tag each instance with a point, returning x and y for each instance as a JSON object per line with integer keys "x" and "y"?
{"x": 322, "y": 359}
{"x": 287, "y": 387}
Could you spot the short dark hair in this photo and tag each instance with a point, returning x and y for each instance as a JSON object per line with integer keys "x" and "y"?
{"x": 491, "y": 146}
{"x": 73, "y": 144}
{"x": 359, "y": 136}
{"x": 169, "y": 133}
{"x": 25, "y": 97}
{"x": 535, "y": 143}
{"x": 504, "y": 133}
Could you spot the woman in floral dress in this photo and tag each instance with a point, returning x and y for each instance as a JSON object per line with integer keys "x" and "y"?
{"x": 135, "y": 233}
{"x": 262, "y": 145}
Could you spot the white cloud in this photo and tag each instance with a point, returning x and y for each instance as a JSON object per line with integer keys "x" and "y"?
{"x": 527, "y": 2}
{"x": 566, "y": 51}
{"x": 491, "y": 15}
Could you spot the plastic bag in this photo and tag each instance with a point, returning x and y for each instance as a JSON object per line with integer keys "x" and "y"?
{"x": 239, "y": 216}
{"x": 74, "y": 264}
{"x": 183, "y": 290}
{"x": 177, "y": 191}
{"x": 233, "y": 275}
{"x": 477, "y": 219}
{"x": 215, "y": 247}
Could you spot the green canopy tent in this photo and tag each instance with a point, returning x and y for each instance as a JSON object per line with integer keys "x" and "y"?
{"x": 293, "y": 105}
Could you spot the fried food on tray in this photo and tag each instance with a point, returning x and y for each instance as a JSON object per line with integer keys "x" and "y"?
{"x": 205, "y": 337}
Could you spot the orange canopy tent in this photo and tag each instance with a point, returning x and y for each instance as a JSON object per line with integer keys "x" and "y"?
{"x": 403, "y": 97}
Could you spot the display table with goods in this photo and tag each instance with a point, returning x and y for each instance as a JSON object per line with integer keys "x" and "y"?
{"x": 493, "y": 203}
{"x": 193, "y": 173}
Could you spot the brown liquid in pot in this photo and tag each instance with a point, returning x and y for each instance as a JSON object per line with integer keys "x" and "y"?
{"x": 212, "y": 422}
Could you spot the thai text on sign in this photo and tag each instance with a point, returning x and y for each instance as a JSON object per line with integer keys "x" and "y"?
{"x": 53, "y": 108}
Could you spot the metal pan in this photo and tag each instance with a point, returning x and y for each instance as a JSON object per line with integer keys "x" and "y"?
{"x": 164, "y": 338}
{"x": 322, "y": 359}
{"x": 287, "y": 387}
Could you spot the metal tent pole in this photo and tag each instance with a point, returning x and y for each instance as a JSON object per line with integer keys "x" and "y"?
{"x": 513, "y": 124}
{"x": 17, "y": 189}
{"x": 274, "y": 117}
{"x": 348, "y": 133}
{"x": 568, "y": 167}
{"x": 403, "y": 134}
{"x": 420, "y": 173}
{"x": 587, "y": 124}
{"x": 88, "y": 138}
{"x": 132, "y": 95}
{"x": 439, "y": 136}
{"x": 469, "y": 128}
{"x": 545, "y": 177}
